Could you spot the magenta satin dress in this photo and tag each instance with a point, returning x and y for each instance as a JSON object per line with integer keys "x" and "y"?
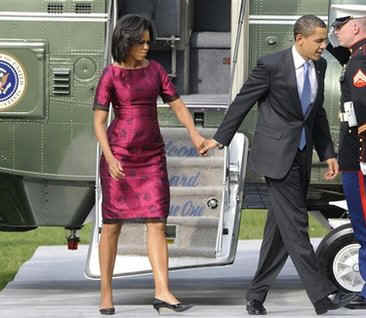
{"x": 135, "y": 139}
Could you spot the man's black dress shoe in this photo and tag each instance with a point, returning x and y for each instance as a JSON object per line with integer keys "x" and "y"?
{"x": 358, "y": 302}
{"x": 255, "y": 307}
{"x": 340, "y": 300}
{"x": 107, "y": 311}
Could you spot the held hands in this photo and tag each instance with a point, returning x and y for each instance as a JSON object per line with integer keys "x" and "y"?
{"x": 207, "y": 145}
{"x": 333, "y": 169}
{"x": 202, "y": 144}
{"x": 115, "y": 168}
{"x": 197, "y": 141}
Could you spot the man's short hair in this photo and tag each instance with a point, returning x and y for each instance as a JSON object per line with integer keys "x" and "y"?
{"x": 306, "y": 25}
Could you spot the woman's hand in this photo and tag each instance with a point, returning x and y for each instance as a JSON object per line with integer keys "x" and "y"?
{"x": 115, "y": 168}
{"x": 185, "y": 117}
{"x": 198, "y": 142}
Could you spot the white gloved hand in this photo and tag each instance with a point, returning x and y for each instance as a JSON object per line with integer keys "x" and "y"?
{"x": 363, "y": 167}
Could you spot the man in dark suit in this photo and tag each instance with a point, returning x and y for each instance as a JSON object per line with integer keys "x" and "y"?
{"x": 289, "y": 89}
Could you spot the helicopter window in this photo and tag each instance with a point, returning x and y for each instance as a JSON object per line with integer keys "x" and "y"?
{"x": 55, "y": 7}
{"x": 83, "y": 7}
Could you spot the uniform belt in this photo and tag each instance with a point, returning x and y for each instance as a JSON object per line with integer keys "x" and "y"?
{"x": 342, "y": 117}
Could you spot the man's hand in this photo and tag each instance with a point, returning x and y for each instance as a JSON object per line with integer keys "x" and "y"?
{"x": 361, "y": 129}
{"x": 207, "y": 145}
{"x": 333, "y": 169}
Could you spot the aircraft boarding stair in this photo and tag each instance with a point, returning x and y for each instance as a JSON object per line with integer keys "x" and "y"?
{"x": 206, "y": 197}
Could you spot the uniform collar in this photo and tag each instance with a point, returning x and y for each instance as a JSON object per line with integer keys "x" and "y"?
{"x": 357, "y": 46}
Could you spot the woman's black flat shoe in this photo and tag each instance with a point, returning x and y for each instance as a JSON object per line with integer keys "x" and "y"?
{"x": 107, "y": 311}
{"x": 158, "y": 304}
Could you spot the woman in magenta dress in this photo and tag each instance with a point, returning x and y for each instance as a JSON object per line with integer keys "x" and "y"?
{"x": 133, "y": 168}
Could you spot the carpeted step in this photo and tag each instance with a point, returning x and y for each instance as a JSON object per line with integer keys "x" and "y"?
{"x": 187, "y": 236}
{"x": 193, "y": 172}
{"x": 197, "y": 202}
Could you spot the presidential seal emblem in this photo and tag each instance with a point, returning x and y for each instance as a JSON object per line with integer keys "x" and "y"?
{"x": 12, "y": 81}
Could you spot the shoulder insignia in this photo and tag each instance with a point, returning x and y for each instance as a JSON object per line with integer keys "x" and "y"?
{"x": 359, "y": 79}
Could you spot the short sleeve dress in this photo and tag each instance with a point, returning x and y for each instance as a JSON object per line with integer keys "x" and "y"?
{"x": 135, "y": 139}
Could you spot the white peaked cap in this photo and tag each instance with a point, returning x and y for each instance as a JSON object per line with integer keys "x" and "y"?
{"x": 344, "y": 10}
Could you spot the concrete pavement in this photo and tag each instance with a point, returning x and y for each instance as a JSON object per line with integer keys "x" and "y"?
{"x": 51, "y": 284}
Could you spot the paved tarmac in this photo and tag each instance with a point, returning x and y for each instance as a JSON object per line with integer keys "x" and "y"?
{"x": 51, "y": 284}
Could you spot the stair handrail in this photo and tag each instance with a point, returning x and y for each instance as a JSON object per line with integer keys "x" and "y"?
{"x": 112, "y": 19}
{"x": 227, "y": 152}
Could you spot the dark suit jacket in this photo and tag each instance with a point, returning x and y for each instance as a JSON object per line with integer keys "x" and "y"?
{"x": 272, "y": 83}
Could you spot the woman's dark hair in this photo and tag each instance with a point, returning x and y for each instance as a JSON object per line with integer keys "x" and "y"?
{"x": 128, "y": 31}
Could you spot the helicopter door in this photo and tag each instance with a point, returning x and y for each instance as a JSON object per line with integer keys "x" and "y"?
{"x": 206, "y": 192}
{"x": 203, "y": 224}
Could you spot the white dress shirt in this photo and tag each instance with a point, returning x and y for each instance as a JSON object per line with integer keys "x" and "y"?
{"x": 299, "y": 62}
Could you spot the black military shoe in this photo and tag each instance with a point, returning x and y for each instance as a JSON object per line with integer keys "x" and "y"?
{"x": 339, "y": 300}
{"x": 358, "y": 302}
{"x": 255, "y": 307}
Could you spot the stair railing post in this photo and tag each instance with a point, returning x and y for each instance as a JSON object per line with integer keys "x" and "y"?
{"x": 112, "y": 19}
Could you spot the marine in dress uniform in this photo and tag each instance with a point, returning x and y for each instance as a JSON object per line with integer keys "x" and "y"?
{"x": 352, "y": 138}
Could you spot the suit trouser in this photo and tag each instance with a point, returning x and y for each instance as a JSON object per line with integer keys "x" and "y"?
{"x": 355, "y": 192}
{"x": 286, "y": 233}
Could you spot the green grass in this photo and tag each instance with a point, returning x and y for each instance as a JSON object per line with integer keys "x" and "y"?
{"x": 252, "y": 225}
{"x": 16, "y": 248}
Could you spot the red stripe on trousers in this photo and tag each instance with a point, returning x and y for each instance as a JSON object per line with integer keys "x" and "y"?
{"x": 362, "y": 193}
